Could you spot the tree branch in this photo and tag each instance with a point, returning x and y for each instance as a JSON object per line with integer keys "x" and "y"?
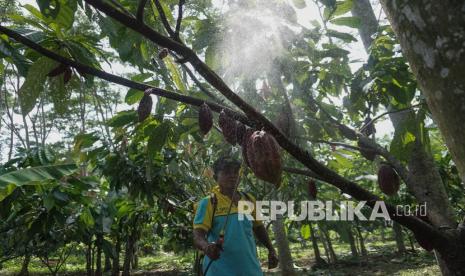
{"x": 163, "y": 18}
{"x": 389, "y": 112}
{"x": 178, "y": 22}
{"x": 140, "y": 10}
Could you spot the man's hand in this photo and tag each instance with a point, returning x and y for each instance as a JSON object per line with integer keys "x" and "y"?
{"x": 212, "y": 250}
{"x": 272, "y": 259}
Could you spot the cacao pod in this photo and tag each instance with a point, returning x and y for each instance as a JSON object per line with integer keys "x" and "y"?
{"x": 240, "y": 132}
{"x": 388, "y": 180}
{"x": 229, "y": 127}
{"x": 68, "y": 74}
{"x": 163, "y": 53}
{"x": 245, "y": 138}
{"x": 57, "y": 71}
{"x": 312, "y": 190}
{"x": 205, "y": 118}
{"x": 264, "y": 157}
{"x": 145, "y": 107}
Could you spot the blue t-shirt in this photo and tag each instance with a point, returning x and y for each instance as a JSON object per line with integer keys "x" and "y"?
{"x": 240, "y": 255}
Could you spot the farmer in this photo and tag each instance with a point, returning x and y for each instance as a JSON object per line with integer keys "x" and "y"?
{"x": 238, "y": 255}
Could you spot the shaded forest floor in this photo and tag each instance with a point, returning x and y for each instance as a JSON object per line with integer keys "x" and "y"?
{"x": 382, "y": 259}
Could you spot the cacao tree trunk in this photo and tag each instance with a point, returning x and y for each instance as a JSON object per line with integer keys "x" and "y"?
{"x": 115, "y": 270}
{"x": 432, "y": 37}
{"x": 316, "y": 250}
{"x": 284, "y": 253}
{"x": 399, "y": 237}
{"x": 361, "y": 239}
{"x": 25, "y": 266}
{"x": 350, "y": 235}
{"x": 107, "y": 267}
{"x": 98, "y": 244}
{"x": 332, "y": 254}
{"x": 369, "y": 23}
{"x": 128, "y": 256}
{"x": 89, "y": 258}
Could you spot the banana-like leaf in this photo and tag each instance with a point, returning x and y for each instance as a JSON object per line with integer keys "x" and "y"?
{"x": 36, "y": 174}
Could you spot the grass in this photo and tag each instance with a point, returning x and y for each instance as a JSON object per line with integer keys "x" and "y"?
{"x": 381, "y": 260}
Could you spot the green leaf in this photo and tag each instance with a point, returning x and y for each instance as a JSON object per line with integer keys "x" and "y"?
{"x": 60, "y": 94}
{"x": 343, "y": 36}
{"x": 123, "y": 118}
{"x": 34, "y": 84}
{"x": 175, "y": 74}
{"x": 158, "y": 138}
{"x": 343, "y": 7}
{"x": 34, "y": 175}
{"x": 402, "y": 143}
{"x": 87, "y": 218}
{"x": 6, "y": 191}
{"x": 305, "y": 231}
{"x": 133, "y": 96}
{"x": 84, "y": 140}
{"x": 300, "y": 4}
{"x": 350, "y": 21}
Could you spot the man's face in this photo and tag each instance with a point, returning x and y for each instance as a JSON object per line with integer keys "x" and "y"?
{"x": 227, "y": 178}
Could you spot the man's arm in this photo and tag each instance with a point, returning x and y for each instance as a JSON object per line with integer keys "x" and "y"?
{"x": 263, "y": 238}
{"x": 201, "y": 243}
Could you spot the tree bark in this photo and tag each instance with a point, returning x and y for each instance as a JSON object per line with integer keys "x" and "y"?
{"x": 361, "y": 239}
{"x": 432, "y": 36}
{"x": 316, "y": 250}
{"x": 89, "y": 258}
{"x": 332, "y": 254}
{"x": 399, "y": 237}
{"x": 25, "y": 266}
{"x": 98, "y": 244}
{"x": 284, "y": 253}
{"x": 115, "y": 270}
{"x": 369, "y": 24}
{"x": 353, "y": 247}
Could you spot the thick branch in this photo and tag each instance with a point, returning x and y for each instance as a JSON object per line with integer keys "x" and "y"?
{"x": 123, "y": 81}
{"x": 140, "y": 10}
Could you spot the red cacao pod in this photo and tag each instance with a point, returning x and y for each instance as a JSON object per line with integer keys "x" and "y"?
{"x": 264, "y": 157}
{"x": 205, "y": 119}
{"x": 145, "y": 107}
{"x": 312, "y": 190}
{"x": 388, "y": 180}
{"x": 240, "y": 132}
{"x": 229, "y": 127}
{"x": 423, "y": 241}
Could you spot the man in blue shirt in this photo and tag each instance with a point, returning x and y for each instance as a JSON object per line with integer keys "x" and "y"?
{"x": 239, "y": 254}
